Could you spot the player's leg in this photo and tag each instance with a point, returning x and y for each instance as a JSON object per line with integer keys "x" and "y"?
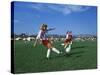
{"x": 62, "y": 44}
{"x": 71, "y": 42}
{"x": 66, "y": 45}
{"x": 45, "y": 43}
{"x": 48, "y": 44}
{"x": 66, "y": 42}
{"x": 53, "y": 48}
{"x": 69, "y": 47}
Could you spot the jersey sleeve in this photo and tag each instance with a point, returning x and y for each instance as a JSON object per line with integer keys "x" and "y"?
{"x": 50, "y": 29}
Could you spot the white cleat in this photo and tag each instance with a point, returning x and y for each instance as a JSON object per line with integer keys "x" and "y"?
{"x": 62, "y": 44}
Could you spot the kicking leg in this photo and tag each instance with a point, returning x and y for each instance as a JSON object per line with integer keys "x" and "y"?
{"x": 66, "y": 44}
{"x": 55, "y": 50}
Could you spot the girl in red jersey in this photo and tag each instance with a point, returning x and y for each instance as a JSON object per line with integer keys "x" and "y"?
{"x": 45, "y": 41}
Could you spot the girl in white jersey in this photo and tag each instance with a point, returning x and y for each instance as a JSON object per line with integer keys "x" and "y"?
{"x": 68, "y": 41}
{"x": 45, "y": 41}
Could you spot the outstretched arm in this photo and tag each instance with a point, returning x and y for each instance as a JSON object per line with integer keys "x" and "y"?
{"x": 51, "y": 29}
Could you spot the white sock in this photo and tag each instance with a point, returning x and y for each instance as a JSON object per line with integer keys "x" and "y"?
{"x": 71, "y": 42}
{"x": 69, "y": 46}
{"x": 68, "y": 49}
{"x": 55, "y": 50}
{"x": 48, "y": 53}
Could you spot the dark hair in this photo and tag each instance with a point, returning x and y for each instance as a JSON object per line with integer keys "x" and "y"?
{"x": 45, "y": 25}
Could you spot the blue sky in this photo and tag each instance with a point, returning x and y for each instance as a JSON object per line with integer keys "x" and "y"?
{"x": 28, "y": 17}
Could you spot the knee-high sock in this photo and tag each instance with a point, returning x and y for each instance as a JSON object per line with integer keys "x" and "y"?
{"x": 55, "y": 50}
{"x": 48, "y": 53}
{"x": 71, "y": 42}
{"x": 68, "y": 48}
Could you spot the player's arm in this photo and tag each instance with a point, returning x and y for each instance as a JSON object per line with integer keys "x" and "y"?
{"x": 38, "y": 37}
{"x": 50, "y": 29}
{"x": 35, "y": 42}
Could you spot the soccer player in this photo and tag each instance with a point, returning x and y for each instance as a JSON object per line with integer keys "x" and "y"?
{"x": 45, "y": 41}
{"x": 68, "y": 41}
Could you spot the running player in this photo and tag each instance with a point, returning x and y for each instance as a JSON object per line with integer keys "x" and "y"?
{"x": 45, "y": 41}
{"x": 68, "y": 41}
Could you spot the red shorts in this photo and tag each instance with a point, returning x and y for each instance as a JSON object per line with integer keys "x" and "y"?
{"x": 45, "y": 42}
{"x": 67, "y": 40}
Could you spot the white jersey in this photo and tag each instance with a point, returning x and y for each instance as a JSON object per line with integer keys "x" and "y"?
{"x": 67, "y": 36}
{"x": 42, "y": 35}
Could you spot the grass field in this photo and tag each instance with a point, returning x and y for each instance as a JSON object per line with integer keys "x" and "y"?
{"x": 33, "y": 59}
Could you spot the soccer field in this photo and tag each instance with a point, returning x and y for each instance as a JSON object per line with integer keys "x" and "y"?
{"x": 28, "y": 58}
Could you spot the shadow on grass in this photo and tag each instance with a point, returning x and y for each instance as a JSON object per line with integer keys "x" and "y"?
{"x": 68, "y": 55}
{"x": 71, "y": 54}
{"x": 78, "y": 54}
{"x": 79, "y": 47}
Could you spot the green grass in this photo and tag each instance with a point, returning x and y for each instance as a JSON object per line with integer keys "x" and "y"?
{"x": 33, "y": 59}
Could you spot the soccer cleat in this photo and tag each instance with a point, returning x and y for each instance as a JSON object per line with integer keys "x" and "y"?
{"x": 62, "y": 44}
